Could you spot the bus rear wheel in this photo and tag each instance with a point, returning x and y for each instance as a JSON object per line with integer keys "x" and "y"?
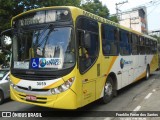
{"x": 108, "y": 91}
{"x": 147, "y": 73}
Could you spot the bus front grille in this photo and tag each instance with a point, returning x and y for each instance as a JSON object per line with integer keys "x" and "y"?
{"x": 36, "y": 90}
{"x": 34, "y": 77}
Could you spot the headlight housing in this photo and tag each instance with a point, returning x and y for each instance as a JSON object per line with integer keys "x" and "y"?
{"x": 65, "y": 86}
{"x": 13, "y": 86}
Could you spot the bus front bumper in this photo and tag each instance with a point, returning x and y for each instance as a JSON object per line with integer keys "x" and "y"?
{"x": 64, "y": 100}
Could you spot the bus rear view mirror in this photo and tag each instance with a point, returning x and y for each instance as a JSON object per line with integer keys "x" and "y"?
{"x": 6, "y": 40}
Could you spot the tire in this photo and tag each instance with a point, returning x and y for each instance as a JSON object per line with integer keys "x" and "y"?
{"x": 108, "y": 91}
{"x": 1, "y": 97}
{"x": 147, "y": 73}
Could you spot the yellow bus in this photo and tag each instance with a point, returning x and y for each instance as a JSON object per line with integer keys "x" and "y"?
{"x": 65, "y": 57}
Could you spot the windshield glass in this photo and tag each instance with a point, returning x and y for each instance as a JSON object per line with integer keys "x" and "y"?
{"x": 47, "y": 48}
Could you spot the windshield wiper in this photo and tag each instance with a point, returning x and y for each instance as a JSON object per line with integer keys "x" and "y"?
{"x": 39, "y": 37}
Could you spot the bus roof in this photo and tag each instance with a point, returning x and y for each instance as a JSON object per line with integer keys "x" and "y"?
{"x": 88, "y": 14}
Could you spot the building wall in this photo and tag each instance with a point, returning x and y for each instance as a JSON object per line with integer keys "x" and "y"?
{"x": 135, "y": 20}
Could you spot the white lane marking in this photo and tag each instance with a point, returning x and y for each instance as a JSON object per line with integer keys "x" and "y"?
{"x": 154, "y": 90}
{"x": 149, "y": 95}
{"x": 137, "y": 108}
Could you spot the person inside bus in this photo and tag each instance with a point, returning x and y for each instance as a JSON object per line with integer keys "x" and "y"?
{"x": 106, "y": 47}
{"x": 84, "y": 56}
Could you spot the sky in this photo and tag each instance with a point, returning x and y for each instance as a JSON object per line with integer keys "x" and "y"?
{"x": 153, "y": 10}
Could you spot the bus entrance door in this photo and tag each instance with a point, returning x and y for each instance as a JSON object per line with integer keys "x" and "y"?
{"x": 88, "y": 91}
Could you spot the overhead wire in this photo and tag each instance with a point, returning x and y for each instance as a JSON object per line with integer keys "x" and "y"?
{"x": 148, "y": 4}
{"x": 153, "y": 9}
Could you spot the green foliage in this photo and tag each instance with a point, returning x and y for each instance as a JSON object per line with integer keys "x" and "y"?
{"x": 61, "y": 3}
{"x": 96, "y": 7}
{"x": 157, "y": 37}
{"x": 113, "y": 18}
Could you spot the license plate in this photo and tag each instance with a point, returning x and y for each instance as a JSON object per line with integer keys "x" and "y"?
{"x": 31, "y": 97}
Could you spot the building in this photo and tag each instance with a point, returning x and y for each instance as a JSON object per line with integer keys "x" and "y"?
{"x": 135, "y": 19}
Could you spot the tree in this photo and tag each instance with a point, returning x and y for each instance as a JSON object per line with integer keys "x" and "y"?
{"x": 96, "y": 7}
{"x": 60, "y": 3}
{"x": 113, "y": 18}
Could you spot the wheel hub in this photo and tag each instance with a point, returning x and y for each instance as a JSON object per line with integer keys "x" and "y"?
{"x": 108, "y": 89}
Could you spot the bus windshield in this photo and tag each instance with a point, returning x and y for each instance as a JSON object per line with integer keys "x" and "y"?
{"x": 47, "y": 48}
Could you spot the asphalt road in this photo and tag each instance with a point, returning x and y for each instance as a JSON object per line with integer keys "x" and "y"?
{"x": 143, "y": 95}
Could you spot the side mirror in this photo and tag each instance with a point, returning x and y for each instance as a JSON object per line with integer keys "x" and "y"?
{"x": 6, "y": 40}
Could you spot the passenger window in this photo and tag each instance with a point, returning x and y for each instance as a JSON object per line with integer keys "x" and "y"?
{"x": 134, "y": 41}
{"x": 142, "y": 48}
{"x": 154, "y": 47}
{"x": 148, "y": 47}
{"x": 125, "y": 47}
{"x": 109, "y": 40}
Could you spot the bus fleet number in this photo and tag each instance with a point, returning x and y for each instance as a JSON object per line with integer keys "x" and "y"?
{"x": 41, "y": 83}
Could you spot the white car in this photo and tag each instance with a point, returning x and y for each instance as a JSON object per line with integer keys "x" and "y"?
{"x": 4, "y": 85}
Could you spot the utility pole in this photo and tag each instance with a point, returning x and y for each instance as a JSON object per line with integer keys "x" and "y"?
{"x": 134, "y": 18}
{"x": 117, "y": 9}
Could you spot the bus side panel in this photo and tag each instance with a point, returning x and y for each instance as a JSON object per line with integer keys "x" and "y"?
{"x": 105, "y": 67}
{"x": 142, "y": 65}
{"x": 108, "y": 63}
{"x": 154, "y": 63}
{"x": 66, "y": 100}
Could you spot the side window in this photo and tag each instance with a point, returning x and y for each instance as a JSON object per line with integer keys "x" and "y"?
{"x": 134, "y": 45}
{"x": 88, "y": 43}
{"x": 148, "y": 47}
{"x": 151, "y": 44}
{"x": 109, "y": 40}
{"x": 142, "y": 48}
{"x": 154, "y": 47}
{"x": 125, "y": 47}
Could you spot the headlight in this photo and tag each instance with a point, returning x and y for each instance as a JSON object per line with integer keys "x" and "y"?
{"x": 13, "y": 86}
{"x": 67, "y": 84}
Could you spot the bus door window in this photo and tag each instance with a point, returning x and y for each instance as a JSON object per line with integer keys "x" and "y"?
{"x": 88, "y": 45}
{"x": 84, "y": 58}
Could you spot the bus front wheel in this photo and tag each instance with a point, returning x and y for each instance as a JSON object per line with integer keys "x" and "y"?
{"x": 108, "y": 91}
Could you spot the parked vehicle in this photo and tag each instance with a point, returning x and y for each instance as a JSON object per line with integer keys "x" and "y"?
{"x": 4, "y": 85}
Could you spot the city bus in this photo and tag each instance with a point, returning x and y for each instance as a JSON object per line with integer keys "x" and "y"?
{"x": 64, "y": 57}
